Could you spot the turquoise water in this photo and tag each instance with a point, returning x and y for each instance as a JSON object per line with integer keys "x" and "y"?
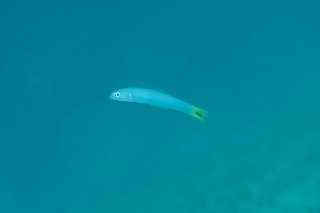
{"x": 65, "y": 147}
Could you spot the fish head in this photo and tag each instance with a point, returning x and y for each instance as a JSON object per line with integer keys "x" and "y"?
{"x": 120, "y": 95}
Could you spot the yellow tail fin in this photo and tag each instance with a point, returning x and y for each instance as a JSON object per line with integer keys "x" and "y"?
{"x": 198, "y": 113}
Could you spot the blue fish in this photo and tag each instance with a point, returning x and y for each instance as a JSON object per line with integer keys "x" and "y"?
{"x": 158, "y": 99}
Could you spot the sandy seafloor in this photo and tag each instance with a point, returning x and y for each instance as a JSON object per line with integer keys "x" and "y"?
{"x": 290, "y": 184}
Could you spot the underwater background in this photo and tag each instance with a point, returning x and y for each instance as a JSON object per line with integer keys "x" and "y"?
{"x": 65, "y": 147}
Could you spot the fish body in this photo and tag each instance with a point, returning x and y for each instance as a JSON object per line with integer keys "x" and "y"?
{"x": 158, "y": 99}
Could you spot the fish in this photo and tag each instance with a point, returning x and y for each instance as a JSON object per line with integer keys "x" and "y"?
{"x": 157, "y": 99}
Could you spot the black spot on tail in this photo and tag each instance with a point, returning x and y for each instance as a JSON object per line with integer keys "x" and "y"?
{"x": 199, "y": 114}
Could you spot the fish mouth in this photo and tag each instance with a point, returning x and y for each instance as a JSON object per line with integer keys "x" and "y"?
{"x": 112, "y": 97}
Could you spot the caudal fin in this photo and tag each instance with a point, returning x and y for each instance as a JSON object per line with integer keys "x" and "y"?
{"x": 198, "y": 113}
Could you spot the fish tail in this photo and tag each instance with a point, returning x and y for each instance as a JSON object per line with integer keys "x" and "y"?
{"x": 198, "y": 113}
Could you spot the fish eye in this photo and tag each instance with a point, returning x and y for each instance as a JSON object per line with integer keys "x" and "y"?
{"x": 117, "y": 94}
